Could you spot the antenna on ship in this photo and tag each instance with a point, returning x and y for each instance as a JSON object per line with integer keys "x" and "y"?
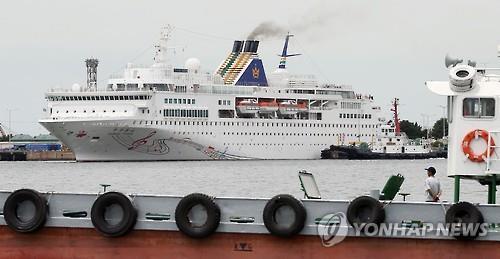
{"x": 2, "y": 132}
{"x": 91, "y": 64}
{"x": 285, "y": 54}
{"x": 394, "y": 109}
{"x": 161, "y": 47}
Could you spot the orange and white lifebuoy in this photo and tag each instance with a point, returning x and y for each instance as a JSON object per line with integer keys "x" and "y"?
{"x": 468, "y": 150}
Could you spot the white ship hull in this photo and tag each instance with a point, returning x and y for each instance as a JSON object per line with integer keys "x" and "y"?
{"x": 119, "y": 140}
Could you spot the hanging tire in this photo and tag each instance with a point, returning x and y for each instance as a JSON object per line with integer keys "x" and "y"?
{"x": 185, "y": 224}
{"x": 460, "y": 215}
{"x": 365, "y": 211}
{"x": 101, "y": 221}
{"x": 24, "y": 223}
{"x": 284, "y": 230}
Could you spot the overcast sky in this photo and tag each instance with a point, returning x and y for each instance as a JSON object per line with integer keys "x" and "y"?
{"x": 385, "y": 48}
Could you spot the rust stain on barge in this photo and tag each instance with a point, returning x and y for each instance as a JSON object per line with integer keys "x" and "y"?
{"x": 87, "y": 243}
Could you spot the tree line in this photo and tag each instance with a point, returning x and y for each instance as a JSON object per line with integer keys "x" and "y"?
{"x": 413, "y": 130}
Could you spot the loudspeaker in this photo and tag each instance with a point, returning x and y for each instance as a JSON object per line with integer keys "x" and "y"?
{"x": 451, "y": 62}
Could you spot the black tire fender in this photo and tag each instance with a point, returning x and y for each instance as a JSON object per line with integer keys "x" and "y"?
{"x": 269, "y": 215}
{"x": 10, "y": 211}
{"x": 460, "y": 213}
{"x": 365, "y": 210}
{"x": 98, "y": 211}
{"x": 182, "y": 215}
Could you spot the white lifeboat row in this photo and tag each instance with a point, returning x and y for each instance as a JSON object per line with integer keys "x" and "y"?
{"x": 285, "y": 107}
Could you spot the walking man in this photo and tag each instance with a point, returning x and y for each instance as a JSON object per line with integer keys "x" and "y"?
{"x": 432, "y": 186}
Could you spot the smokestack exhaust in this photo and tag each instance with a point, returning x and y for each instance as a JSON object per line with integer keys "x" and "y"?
{"x": 237, "y": 46}
{"x": 251, "y": 46}
{"x": 255, "y": 46}
{"x": 248, "y": 45}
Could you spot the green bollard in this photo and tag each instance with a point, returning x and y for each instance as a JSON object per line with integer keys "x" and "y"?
{"x": 457, "y": 189}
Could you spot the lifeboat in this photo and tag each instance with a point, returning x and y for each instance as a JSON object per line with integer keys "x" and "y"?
{"x": 248, "y": 106}
{"x": 268, "y": 106}
{"x": 288, "y": 107}
{"x": 302, "y": 106}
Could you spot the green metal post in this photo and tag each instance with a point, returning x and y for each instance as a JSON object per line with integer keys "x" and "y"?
{"x": 489, "y": 192}
{"x": 457, "y": 188}
{"x": 494, "y": 189}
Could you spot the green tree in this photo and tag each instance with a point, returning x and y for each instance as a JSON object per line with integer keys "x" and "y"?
{"x": 412, "y": 129}
{"x": 363, "y": 146}
{"x": 437, "y": 129}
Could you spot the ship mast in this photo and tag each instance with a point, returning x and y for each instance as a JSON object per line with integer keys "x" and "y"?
{"x": 91, "y": 64}
{"x": 394, "y": 109}
{"x": 161, "y": 47}
{"x": 285, "y": 54}
{"x": 2, "y": 132}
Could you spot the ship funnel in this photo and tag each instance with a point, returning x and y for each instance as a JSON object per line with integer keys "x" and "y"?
{"x": 251, "y": 46}
{"x": 91, "y": 64}
{"x": 248, "y": 45}
{"x": 237, "y": 46}
{"x": 255, "y": 46}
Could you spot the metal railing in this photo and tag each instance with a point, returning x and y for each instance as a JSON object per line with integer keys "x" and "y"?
{"x": 489, "y": 150}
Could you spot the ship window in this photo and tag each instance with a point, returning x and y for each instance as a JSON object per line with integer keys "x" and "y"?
{"x": 193, "y": 101}
{"x": 478, "y": 107}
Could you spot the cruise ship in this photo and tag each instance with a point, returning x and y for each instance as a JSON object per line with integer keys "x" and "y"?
{"x": 238, "y": 111}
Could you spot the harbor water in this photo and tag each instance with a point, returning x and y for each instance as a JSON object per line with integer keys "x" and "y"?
{"x": 337, "y": 179}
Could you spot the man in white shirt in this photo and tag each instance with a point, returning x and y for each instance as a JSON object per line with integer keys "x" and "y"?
{"x": 432, "y": 186}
